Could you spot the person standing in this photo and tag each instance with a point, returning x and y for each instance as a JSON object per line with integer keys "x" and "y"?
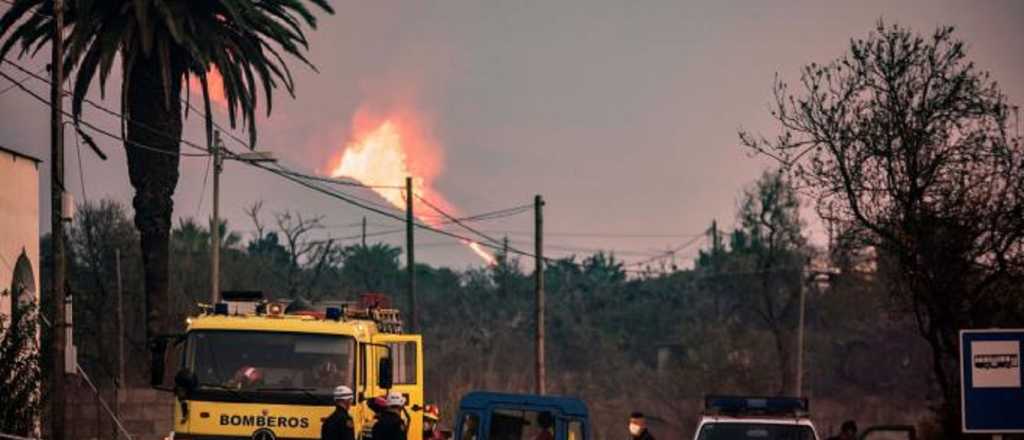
{"x": 847, "y": 432}
{"x": 431, "y": 423}
{"x": 638, "y": 427}
{"x": 390, "y": 425}
{"x": 339, "y": 425}
{"x": 546, "y": 423}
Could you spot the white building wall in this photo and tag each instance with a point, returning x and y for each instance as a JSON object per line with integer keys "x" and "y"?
{"x": 19, "y": 218}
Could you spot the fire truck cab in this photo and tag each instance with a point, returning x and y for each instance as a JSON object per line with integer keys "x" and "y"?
{"x": 267, "y": 369}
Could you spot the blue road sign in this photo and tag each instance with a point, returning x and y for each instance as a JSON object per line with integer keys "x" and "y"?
{"x": 991, "y": 396}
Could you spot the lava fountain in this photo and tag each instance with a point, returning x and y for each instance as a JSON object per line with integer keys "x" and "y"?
{"x": 383, "y": 151}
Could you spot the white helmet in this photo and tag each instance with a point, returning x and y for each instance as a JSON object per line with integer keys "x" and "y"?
{"x": 395, "y": 399}
{"x": 343, "y": 393}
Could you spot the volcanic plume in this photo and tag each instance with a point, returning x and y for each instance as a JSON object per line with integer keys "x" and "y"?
{"x": 384, "y": 150}
{"x": 215, "y": 87}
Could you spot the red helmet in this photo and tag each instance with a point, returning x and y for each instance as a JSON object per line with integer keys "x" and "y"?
{"x": 249, "y": 375}
{"x": 431, "y": 412}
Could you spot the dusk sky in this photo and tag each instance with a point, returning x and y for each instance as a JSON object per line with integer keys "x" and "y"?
{"x": 623, "y": 115}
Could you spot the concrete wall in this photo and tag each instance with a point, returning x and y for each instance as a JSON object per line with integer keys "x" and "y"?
{"x": 146, "y": 413}
{"x": 19, "y": 218}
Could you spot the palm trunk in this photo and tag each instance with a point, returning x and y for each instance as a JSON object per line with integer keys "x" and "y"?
{"x": 153, "y": 144}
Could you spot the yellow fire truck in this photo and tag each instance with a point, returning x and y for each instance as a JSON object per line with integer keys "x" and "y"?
{"x": 251, "y": 368}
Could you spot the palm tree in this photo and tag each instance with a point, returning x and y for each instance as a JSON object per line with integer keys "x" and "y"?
{"x": 160, "y": 44}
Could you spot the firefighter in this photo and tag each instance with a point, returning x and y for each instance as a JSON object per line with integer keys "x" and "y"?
{"x": 546, "y": 422}
{"x": 339, "y": 425}
{"x": 390, "y": 425}
{"x": 847, "y": 432}
{"x": 247, "y": 377}
{"x": 431, "y": 418}
{"x": 638, "y": 427}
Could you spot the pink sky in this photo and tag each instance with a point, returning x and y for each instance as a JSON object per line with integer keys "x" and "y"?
{"x": 623, "y": 115}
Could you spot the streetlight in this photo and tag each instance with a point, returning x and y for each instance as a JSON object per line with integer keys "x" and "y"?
{"x": 806, "y": 277}
{"x": 218, "y": 166}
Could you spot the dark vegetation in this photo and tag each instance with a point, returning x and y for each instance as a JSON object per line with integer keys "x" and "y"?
{"x": 657, "y": 340}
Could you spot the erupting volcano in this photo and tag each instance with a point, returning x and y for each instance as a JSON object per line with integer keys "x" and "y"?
{"x": 383, "y": 151}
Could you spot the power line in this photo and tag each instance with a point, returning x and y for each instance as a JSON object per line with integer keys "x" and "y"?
{"x": 595, "y": 234}
{"x": 112, "y": 112}
{"x": 457, "y": 221}
{"x": 81, "y": 170}
{"x": 598, "y": 250}
{"x": 13, "y": 86}
{"x": 202, "y": 194}
{"x": 100, "y": 130}
{"x": 478, "y": 217}
{"x": 346, "y": 198}
{"x": 668, "y": 253}
{"x": 337, "y": 181}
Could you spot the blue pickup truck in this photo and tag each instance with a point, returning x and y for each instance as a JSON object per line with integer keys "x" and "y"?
{"x": 500, "y": 416}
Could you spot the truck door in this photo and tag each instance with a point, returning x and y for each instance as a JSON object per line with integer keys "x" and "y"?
{"x": 407, "y": 374}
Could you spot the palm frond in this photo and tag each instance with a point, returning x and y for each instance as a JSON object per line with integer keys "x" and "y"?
{"x": 245, "y": 40}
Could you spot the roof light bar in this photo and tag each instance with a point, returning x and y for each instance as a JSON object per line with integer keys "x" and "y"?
{"x": 333, "y": 313}
{"x": 746, "y": 405}
{"x": 220, "y": 309}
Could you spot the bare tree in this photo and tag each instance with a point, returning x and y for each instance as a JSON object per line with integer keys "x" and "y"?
{"x": 308, "y": 259}
{"x": 905, "y": 146}
{"x": 770, "y": 236}
{"x": 253, "y": 211}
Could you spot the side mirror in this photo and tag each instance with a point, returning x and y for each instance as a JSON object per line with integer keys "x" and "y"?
{"x": 157, "y": 358}
{"x": 384, "y": 374}
{"x": 186, "y": 381}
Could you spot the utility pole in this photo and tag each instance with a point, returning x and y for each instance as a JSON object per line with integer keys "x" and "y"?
{"x": 799, "y": 383}
{"x": 218, "y": 164}
{"x": 364, "y": 231}
{"x": 714, "y": 237}
{"x": 538, "y": 274}
{"x": 504, "y": 267}
{"x": 714, "y": 266}
{"x": 120, "y": 338}
{"x": 410, "y": 254}
{"x": 217, "y": 150}
{"x": 58, "y": 396}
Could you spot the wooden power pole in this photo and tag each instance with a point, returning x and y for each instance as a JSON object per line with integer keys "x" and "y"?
{"x": 218, "y": 166}
{"x": 58, "y": 395}
{"x": 410, "y": 254}
{"x": 538, "y": 274}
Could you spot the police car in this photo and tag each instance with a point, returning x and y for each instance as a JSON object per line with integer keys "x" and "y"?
{"x": 755, "y": 418}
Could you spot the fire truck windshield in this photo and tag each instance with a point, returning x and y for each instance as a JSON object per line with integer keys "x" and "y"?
{"x": 273, "y": 361}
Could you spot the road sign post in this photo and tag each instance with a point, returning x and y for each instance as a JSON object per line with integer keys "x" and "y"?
{"x": 991, "y": 395}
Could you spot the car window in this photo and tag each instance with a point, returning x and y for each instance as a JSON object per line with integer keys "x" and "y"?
{"x": 515, "y": 424}
{"x": 469, "y": 426}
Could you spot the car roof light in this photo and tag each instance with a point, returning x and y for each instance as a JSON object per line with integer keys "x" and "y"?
{"x": 745, "y": 405}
